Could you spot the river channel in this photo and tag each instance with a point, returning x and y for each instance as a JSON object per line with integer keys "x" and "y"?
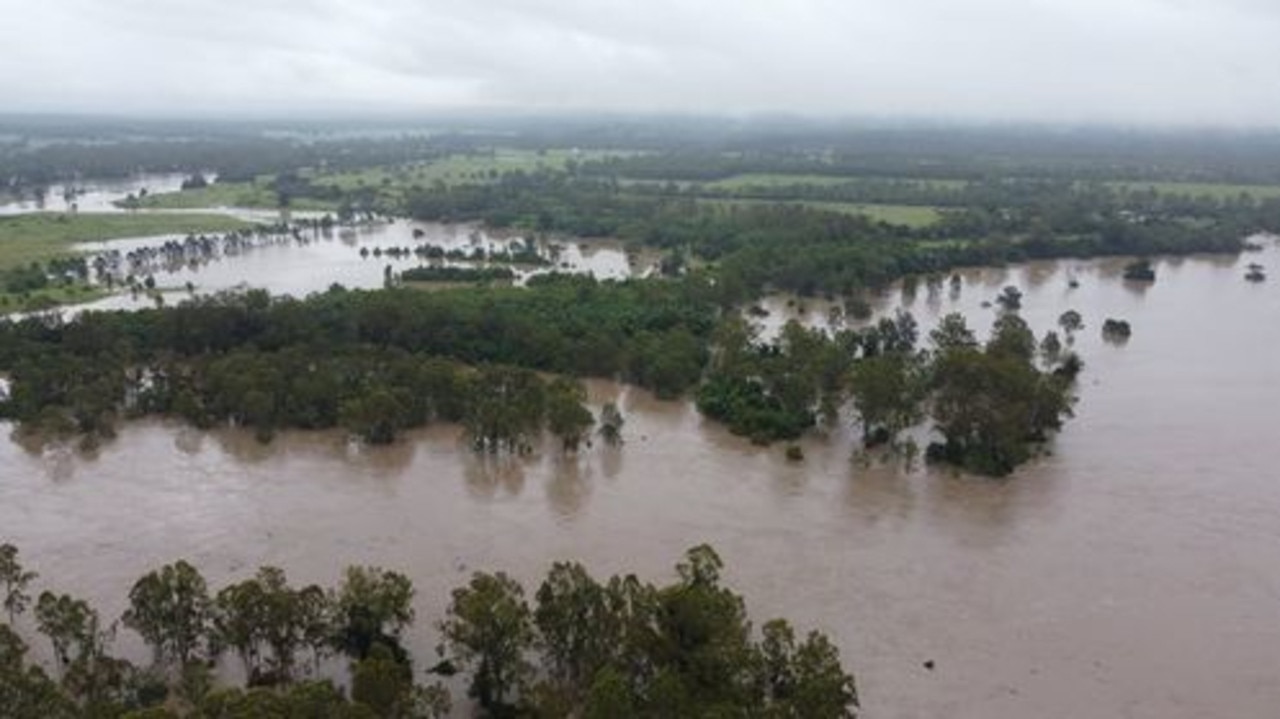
{"x": 1132, "y": 572}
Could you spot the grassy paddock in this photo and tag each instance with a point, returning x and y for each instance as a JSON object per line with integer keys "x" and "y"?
{"x": 909, "y": 215}
{"x": 471, "y": 168}
{"x": 38, "y": 237}
{"x": 1218, "y": 191}
{"x": 774, "y": 180}
{"x": 252, "y": 195}
{"x": 52, "y": 296}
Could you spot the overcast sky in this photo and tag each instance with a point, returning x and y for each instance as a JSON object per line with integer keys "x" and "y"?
{"x": 1130, "y": 61}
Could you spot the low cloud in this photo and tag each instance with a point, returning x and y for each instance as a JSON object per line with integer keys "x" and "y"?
{"x": 1140, "y": 61}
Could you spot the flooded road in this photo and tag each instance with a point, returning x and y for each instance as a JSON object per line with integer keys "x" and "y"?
{"x": 1135, "y": 572}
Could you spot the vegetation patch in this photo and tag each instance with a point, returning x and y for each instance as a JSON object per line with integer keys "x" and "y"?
{"x": 776, "y": 180}
{"x": 575, "y": 646}
{"x": 458, "y": 274}
{"x": 38, "y": 237}
{"x": 1213, "y": 190}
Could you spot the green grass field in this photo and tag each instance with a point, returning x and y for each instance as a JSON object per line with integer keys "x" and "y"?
{"x": 476, "y": 167}
{"x": 251, "y": 195}
{"x": 909, "y": 215}
{"x": 48, "y": 297}
{"x": 774, "y": 180}
{"x": 1218, "y": 191}
{"x": 38, "y": 237}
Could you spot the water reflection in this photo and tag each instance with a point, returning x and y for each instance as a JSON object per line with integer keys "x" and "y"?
{"x": 570, "y": 485}
{"x": 492, "y": 476}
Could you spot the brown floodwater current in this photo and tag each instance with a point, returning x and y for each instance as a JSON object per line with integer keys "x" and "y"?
{"x": 1132, "y": 572}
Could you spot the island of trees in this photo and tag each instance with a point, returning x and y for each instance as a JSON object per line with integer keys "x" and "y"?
{"x": 379, "y": 362}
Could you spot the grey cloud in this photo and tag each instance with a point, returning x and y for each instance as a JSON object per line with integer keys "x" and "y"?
{"x": 1160, "y": 61}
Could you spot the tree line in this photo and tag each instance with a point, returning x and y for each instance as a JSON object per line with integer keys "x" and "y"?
{"x": 990, "y": 403}
{"x": 578, "y": 646}
{"x": 787, "y": 245}
{"x": 376, "y": 363}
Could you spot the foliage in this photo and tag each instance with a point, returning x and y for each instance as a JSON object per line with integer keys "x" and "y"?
{"x": 264, "y": 614}
{"x": 39, "y": 237}
{"x": 588, "y": 648}
{"x": 16, "y": 579}
{"x": 372, "y": 607}
{"x": 888, "y": 390}
{"x": 567, "y": 419}
{"x": 1116, "y": 330}
{"x": 992, "y": 404}
{"x": 170, "y": 608}
{"x": 433, "y": 273}
{"x": 611, "y": 423}
{"x": 26, "y": 692}
{"x": 488, "y": 628}
{"x": 772, "y": 391}
{"x": 373, "y": 362}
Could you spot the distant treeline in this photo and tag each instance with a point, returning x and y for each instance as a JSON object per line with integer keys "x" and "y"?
{"x": 705, "y": 148}
{"x": 758, "y": 247}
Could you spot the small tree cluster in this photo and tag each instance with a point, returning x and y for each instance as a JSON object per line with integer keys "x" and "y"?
{"x": 625, "y": 648}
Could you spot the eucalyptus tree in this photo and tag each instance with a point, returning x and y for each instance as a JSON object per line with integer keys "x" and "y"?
{"x": 170, "y": 608}
{"x": 371, "y": 607}
{"x": 15, "y": 579}
{"x": 567, "y": 418}
{"x": 488, "y": 628}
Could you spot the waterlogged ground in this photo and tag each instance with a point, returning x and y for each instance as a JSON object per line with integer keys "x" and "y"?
{"x": 313, "y": 260}
{"x": 93, "y": 195}
{"x": 355, "y": 257}
{"x": 1132, "y": 573}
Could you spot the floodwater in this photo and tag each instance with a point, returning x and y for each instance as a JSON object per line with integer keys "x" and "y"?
{"x": 94, "y": 195}
{"x": 1132, "y": 573}
{"x": 319, "y": 259}
{"x": 356, "y": 257}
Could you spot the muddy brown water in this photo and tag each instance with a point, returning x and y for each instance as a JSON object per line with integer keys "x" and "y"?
{"x": 1135, "y": 572}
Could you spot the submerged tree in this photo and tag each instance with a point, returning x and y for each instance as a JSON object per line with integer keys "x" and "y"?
{"x": 611, "y": 422}
{"x": 620, "y": 648}
{"x": 506, "y": 409}
{"x": 26, "y": 692}
{"x": 575, "y": 626}
{"x": 15, "y": 579}
{"x": 567, "y": 418}
{"x": 952, "y": 333}
{"x": 373, "y": 606}
{"x": 488, "y": 629}
{"x": 992, "y": 404}
{"x": 1071, "y": 322}
{"x": 887, "y": 393}
{"x": 65, "y": 621}
{"x": 171, "y": 609}
{"x": 264, "y": 613}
